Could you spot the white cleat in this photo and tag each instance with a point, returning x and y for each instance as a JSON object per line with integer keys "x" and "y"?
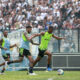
{"x": 47, "y": 71}
{"x": 6, "y": 65}
{"x": 2, "y": 73}
{"x": 32, "y": 74}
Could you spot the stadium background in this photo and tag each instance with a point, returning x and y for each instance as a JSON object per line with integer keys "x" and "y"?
{"x": 65, "y": 54}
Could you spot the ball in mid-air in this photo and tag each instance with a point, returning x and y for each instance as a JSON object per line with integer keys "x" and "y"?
{"x": 60, "y": 72}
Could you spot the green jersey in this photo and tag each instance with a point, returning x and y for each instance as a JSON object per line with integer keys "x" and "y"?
{"x": 24, "y": 42}
{"x": 45, "y": 40}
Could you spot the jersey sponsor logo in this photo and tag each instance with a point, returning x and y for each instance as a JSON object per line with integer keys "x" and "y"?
{"x": 46, "y": 39}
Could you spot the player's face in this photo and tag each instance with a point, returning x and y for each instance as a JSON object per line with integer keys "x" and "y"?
{"x": 50, "y": 30}
{"x": 5, "y": 33}
{"x": 29, "y": 30}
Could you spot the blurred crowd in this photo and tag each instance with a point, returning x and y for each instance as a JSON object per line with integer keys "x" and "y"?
{"x": 61, "y": 14}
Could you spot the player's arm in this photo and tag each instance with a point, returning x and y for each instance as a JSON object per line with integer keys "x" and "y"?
{"x": 38, "y": 34}
{"x": 34, "y": 43}
{"x": 33, "y": 36}
{"x": 58, "y": 38}
{"x": 28, "y": 38}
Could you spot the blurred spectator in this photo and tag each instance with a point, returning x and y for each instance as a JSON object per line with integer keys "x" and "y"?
{"x": 59, "y": 13}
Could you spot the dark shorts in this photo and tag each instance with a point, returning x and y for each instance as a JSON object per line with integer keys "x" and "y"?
{"x": 6, "y": 56}
{"x": 41, "y": 53}
{"x": 24, "y": 52}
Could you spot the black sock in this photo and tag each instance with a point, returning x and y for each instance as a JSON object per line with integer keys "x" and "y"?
{"x": 48, "y": 65}
{"x": 31, "y": 70}
{"x": 2, "y": 71}
{"x": 10, "y": 62}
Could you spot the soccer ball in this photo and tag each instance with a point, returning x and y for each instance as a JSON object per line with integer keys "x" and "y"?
{"x": 60, "y": 72}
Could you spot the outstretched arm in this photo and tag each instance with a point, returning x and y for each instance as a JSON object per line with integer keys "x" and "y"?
{"x": 34, "y": 43}
{"x": 34, "y": 35}
{"x": 38, "y": 34}
{"x": 58, "y": 38}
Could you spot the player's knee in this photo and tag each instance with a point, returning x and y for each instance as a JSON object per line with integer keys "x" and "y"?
{"x": 32, "y": 61}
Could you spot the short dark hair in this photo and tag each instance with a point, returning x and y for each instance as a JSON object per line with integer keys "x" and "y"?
{"x": 28, "y": 26}
{"x": 5, "y": 30}
{"x": 50, "y": 27}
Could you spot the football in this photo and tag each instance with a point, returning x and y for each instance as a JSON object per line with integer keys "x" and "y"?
{"x": 60, "y": 72}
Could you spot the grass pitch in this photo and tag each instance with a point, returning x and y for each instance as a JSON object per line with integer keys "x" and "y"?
{"x": 41, "y": 75}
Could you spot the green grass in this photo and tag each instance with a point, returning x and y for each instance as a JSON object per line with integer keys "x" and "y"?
{"x": 42, "y": 75}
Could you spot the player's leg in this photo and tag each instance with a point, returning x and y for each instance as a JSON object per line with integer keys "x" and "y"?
{"x": 2, "y": 71}
{"x": 36, "y": 60}
{"x": 2, "y": 64}
{"x": 21, "y": 56}
{"x": 49, "y": 60}
{"x": 28, "y": 55}
{"x": 40, "y": 55}
{"x": 31, "y": 61}
{"x": 6, "y": 58}
{"x": 16, "y": 61}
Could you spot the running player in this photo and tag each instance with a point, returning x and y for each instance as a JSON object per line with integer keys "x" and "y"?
{"x": 25, "y": 49}
{"x": 45, "y": 38}
{"x": 5, "y": 49}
